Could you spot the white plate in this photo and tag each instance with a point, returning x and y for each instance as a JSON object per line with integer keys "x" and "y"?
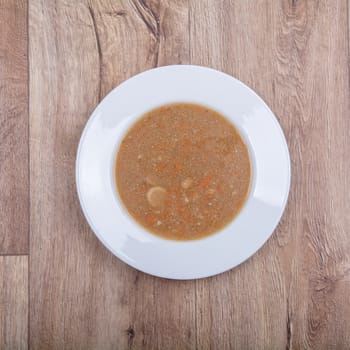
{"x": 132, "y": 243}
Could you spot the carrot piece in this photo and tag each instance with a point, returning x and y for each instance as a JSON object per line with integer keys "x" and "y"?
{"x": 150, "y": 219}
{"x": 186, "y": 143}
{"x": 205, "y": 182}
{"x": 163, "y": 147}
{"x": 178, "y": 166}
{"x": 160, "y": 166}
{"x": 181, "y": 209}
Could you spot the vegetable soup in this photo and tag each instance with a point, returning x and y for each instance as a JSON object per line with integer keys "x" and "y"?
{"x": 183, "y": 171}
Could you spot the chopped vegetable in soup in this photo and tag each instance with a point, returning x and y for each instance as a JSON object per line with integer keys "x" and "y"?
{"x": 183, "y": 171}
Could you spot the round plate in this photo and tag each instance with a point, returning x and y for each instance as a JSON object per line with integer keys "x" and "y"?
{"x": 128, "y": 240}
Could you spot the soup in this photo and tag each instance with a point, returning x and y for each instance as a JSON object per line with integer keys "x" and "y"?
{"x": 183, "y": 171}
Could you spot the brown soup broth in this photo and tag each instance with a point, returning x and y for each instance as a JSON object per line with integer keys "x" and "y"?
{"x": 183, "y": 171}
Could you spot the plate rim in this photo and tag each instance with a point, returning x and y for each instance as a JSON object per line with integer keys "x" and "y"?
{"x": 115, "y": 252}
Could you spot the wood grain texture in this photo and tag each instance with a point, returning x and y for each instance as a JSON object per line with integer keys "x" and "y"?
{"x": 14, "y": 182}
{"x": 293, "y": 293}
{"x": 83, "y": 297}
{"x": 13, "y": 302}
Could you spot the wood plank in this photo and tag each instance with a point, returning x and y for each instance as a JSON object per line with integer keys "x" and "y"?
{"x": 14, "y": 181}
{"x": 81, "y": 296}
{"x": 13, "y": 302}
{"x": 293, "y": 293}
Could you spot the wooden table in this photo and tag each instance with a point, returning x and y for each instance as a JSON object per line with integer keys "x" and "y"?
{"x": 59, "y": 287}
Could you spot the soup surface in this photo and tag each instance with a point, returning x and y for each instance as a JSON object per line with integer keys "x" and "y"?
{"x": 183, "y": 171}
